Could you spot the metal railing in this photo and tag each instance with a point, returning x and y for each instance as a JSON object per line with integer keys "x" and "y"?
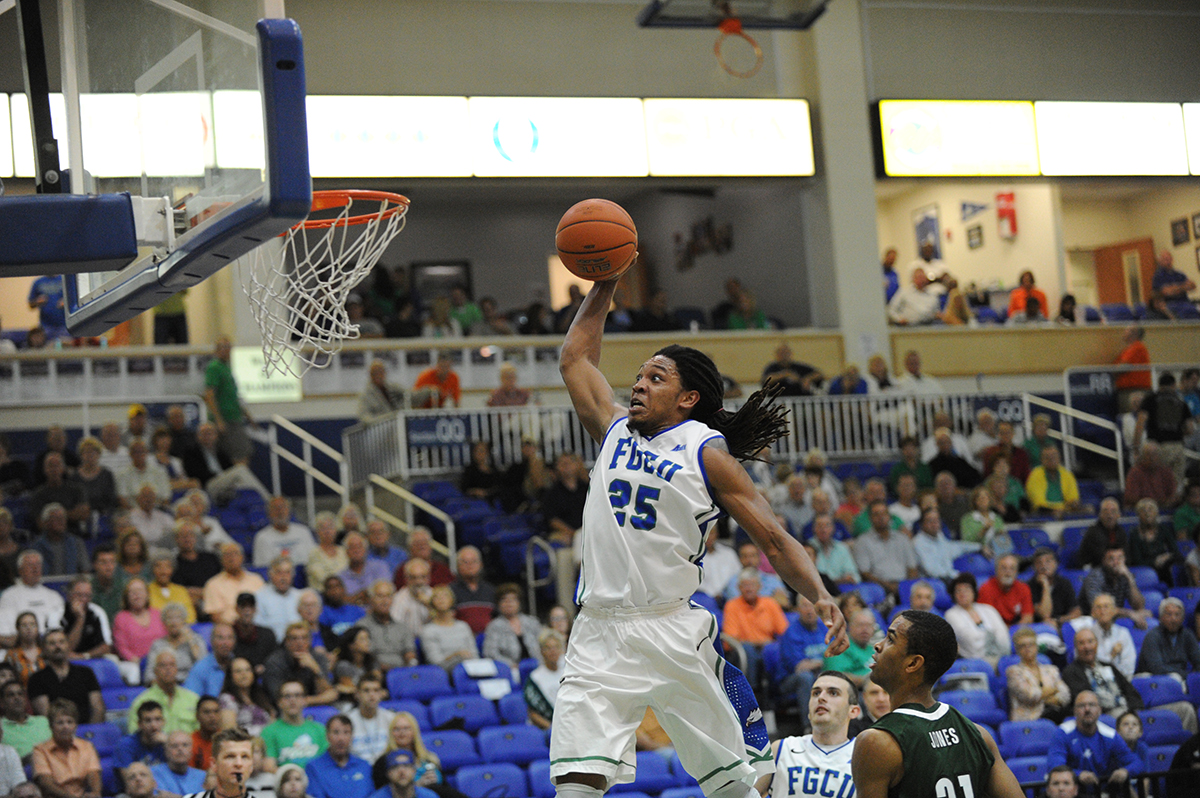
{"x": 411, "y": 500}
{"x": 421, "y": 444}
{"x": 1073, "y": 441}
{"x": 304, "y": 462}
{"x": 86, "y": 406}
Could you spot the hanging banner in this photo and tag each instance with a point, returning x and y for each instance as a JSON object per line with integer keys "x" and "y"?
{"x": 1006, "y": 215}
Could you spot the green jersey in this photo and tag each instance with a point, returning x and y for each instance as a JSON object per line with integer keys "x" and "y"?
{"x": 295, "y": 744}
{"x": 945, "y": 756}
{"x": 219, "y": 376}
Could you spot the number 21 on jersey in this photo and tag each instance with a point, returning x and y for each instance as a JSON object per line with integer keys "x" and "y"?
{"x": 945, "y": 787}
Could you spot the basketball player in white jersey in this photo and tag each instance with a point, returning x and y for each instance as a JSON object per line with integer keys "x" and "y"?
{"x": 817, "y": 765}
{"x": 666, "y": 470}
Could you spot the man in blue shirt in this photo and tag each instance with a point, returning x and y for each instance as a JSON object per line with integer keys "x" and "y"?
{"x": 401, "y": 774}
{"x": 1168, "y": 281}
{"x": 146, "y": 744}
{"x": 46, "y": 294}
{"x": 379, "y": 546}
{"x": 207, "y": 676}
{"x": 802, "y": 655}
{"x": 176, "y": 775}
{"x": 337, "y": 614}
{"x": 336, "y": 773}
{"x": 1094, "y": 752}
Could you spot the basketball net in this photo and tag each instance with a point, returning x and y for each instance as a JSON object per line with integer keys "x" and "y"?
{"x": 298, "y": 290}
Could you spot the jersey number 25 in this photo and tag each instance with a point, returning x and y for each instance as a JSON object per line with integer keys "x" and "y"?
{"x": 645, "y": 514}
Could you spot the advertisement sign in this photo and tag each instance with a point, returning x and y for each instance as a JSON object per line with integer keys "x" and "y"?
{"x": 254, "y": 386}
{"x": 437, "y": 430}
{"x": 952, "y": 138}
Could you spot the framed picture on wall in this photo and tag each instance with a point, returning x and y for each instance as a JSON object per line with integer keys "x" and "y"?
{"x": 1180, "y": 234}
{"x": 1196, "y": 226}
{"x": 434, "y": 278}
{"x": 975, "y": 236}
{"x": 1198, "y": 257}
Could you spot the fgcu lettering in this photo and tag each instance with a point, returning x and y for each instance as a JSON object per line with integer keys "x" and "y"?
{"x": 648, "y": 509}
{"x": 818, "y": 781}
{"x": 805, "y": 770}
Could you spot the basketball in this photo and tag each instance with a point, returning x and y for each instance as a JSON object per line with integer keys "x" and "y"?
{"x": 596, "y": 240}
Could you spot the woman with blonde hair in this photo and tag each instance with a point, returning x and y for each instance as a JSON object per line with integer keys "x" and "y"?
{"x": 137, "y": 625}
{"x": 1035, "y": 688}
{"x": 445, "y": 640}
{"x": 404, "y": 732}
{"x": 327, "y": 558}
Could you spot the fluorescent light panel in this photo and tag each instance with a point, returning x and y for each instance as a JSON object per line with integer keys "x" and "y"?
{"x": 1084, "y": 138}
{"x": 728, "y": 137}
{"x": 945, "y": 138}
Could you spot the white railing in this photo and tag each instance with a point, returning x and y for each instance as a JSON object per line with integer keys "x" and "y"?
{"x": 304, "y": 461}
{"x": 410, "y": 501}
{"x": 86, "y": 407}
{"x": 420, "y": 444}
{"x": 1071, "y": 441}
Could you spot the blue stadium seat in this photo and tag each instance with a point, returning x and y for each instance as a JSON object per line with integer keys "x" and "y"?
{"x": 1027, "y": 541}
{"x": 975, "y": 563}
{"x": 1159, "y": 758}
{"x": 540, "y": 785}
{"x": 1158, "y": 690}
{"x": 1193, "y": 687}
{"x": 1190, "y": 596}
{"x": 526, "y": 667}
{"x": 1146, "y": 577}
{"x": 106, "y": 671}
{"x": 977, "y": 705}
{"x": 436, "y": 491}
{"x": 683, "y": 792}
{"x": 941, "y": 597}
{"x": 419, "y": 682}
{"x": 1183, "y": 310}
{"x": 1117, "y": 312}
{"x": 1026, "y": 737}
{"x": 495, "y": 779}
{"x": 1028, "y": 769}
{"x": 454, "y": 749}
{"x": 320, "y": 714}
{"x": 517, "y": 744}
{"x": 475, "y": 711}
{"x": 102, "y": 735}
{"x": 414, "y": 708}
{"x": 1075, "y": 577}
{"x": 513, "y": 710}
{"x": 1162, "y": 727}
{"x": 119, "y": 699}
{"x": 987, "y": 315}
{"x": 204, "y": 630}
{"x": 109, "y": 784}
{"x": 1091, "y": 315}
{"x": 965, "y": 665}
{"x": 465, "y": 685}
{"x": 682, "y": 777}
{"x": 870, "y": 592}
{"x": 653, "y": 775}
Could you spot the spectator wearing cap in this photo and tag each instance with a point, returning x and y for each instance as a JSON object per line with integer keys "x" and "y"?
{"x": 401, "y": 777}
{"x": 254, "y": 643}
{"x": 509, "y": 394}
{"x": 367, "y": 326}
{"x": 138, "y": 428}
{"x": 379, "y": 397}
{"x": 337, "y": 773}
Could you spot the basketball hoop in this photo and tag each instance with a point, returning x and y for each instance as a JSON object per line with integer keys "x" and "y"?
{"x": 731, "y": 27}
{"x": 298, "y": 289}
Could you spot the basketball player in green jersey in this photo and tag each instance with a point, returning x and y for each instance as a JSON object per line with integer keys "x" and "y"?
{"x": 923, "y": 748}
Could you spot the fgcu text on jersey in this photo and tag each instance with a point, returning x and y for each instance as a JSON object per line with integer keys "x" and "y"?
{"x": 644, "y": 460}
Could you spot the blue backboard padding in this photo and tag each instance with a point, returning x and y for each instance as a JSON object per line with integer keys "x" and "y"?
{"x": 285, "y": 200}
{"x": 65, "y": 234}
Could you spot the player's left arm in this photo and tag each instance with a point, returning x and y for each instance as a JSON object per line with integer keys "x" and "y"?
{"x": 877, "y": 764}
{"x": 1001, "y": 781}
{"x": 736, "y": 494}
{"x": 579, "y": 361}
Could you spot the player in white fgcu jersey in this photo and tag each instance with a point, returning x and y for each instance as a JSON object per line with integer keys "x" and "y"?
{"x": 817, "y": 765}
{"x": 666, "y": 469}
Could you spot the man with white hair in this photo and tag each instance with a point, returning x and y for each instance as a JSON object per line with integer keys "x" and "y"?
{"x": 157, "y": 527}
{"x": 410, "y": 607}
{"x": 28, "y": 595}
{"x": 282, "y": 537}
{"x": 275, "y": 602}
{"x": 1170, "y": 647}
{"x": 379, "y": 397}
{"x": 178, "y": 703}
{"x": 361, "y": 571}
{"x": 420, "y": 546}
{"x": 176, "y": 774}
{"x": 222, "y": 591}
{"x": 142, "y": 470}
{"x": 379, "y": 546}
{"x": 985, "y": 434}
{"x": 63, "y": 554}
{"x": 114, "y": 456}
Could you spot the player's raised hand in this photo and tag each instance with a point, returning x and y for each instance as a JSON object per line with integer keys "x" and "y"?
{"x": 835, "y": 639}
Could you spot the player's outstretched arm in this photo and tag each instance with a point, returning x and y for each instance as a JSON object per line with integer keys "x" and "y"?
{"x": 579, "y": 359}
{"x": 1001, "y": 783}
{"x": 736, "y": 494}
{"x": 877, "y": 765}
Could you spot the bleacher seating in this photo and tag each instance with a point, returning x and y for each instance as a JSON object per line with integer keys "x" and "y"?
{"x": 977, "y": 705}
{"x": 474, "y": 710}
{"x": 1162, "y": 727}
{"x": 319, "y": 714}
{"x": 414, "y": 708}
{"x": 513, "y": 710}
{"x": 419, "y": 682}
{"x": 454, "y": 749}
{"x": 519, "y": 745}
{"x": 1158, "y": 690}
{"x": 1026, "y": 737}
{"x": 489, "y": 780}
{"x": 465, "y": 684}
{"x": 540, "y": 785}
{"x": 1028, "y": 769}
{"x": 104, "y": 736}
{"x": 653, "y": 775}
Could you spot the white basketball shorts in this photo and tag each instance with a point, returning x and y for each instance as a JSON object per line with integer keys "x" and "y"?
{"x": 621, "y": 661}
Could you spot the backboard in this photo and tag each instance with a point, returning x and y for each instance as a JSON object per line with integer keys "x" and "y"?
{"x": 762, "y": 14}
{"x": 196, "y": 110}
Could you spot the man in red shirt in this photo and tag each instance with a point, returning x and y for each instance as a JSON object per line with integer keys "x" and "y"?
{"x": 1134, "y": 353}
{"x": 438, "y": 386}
{"x": 1007, "y": 594}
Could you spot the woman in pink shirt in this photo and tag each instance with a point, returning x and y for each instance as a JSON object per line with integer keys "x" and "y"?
{"x": 138, "y": 624}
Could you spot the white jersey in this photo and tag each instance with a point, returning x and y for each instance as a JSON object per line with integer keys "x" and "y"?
{"x": 802, "y": 768}
{"x": 648, "y": 509}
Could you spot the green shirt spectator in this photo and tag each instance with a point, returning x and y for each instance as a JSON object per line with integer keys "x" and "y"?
{"x": 295, "y": 744}
{"x": 24, "y": 735}
{"x": 179, "y": 710}
{"x": 218, "y": 376}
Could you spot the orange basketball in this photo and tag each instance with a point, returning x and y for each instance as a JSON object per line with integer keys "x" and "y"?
{"x": 596, "y": 240}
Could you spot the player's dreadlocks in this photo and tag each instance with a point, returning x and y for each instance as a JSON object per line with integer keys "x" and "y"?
{"x": 757, "y": 423}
